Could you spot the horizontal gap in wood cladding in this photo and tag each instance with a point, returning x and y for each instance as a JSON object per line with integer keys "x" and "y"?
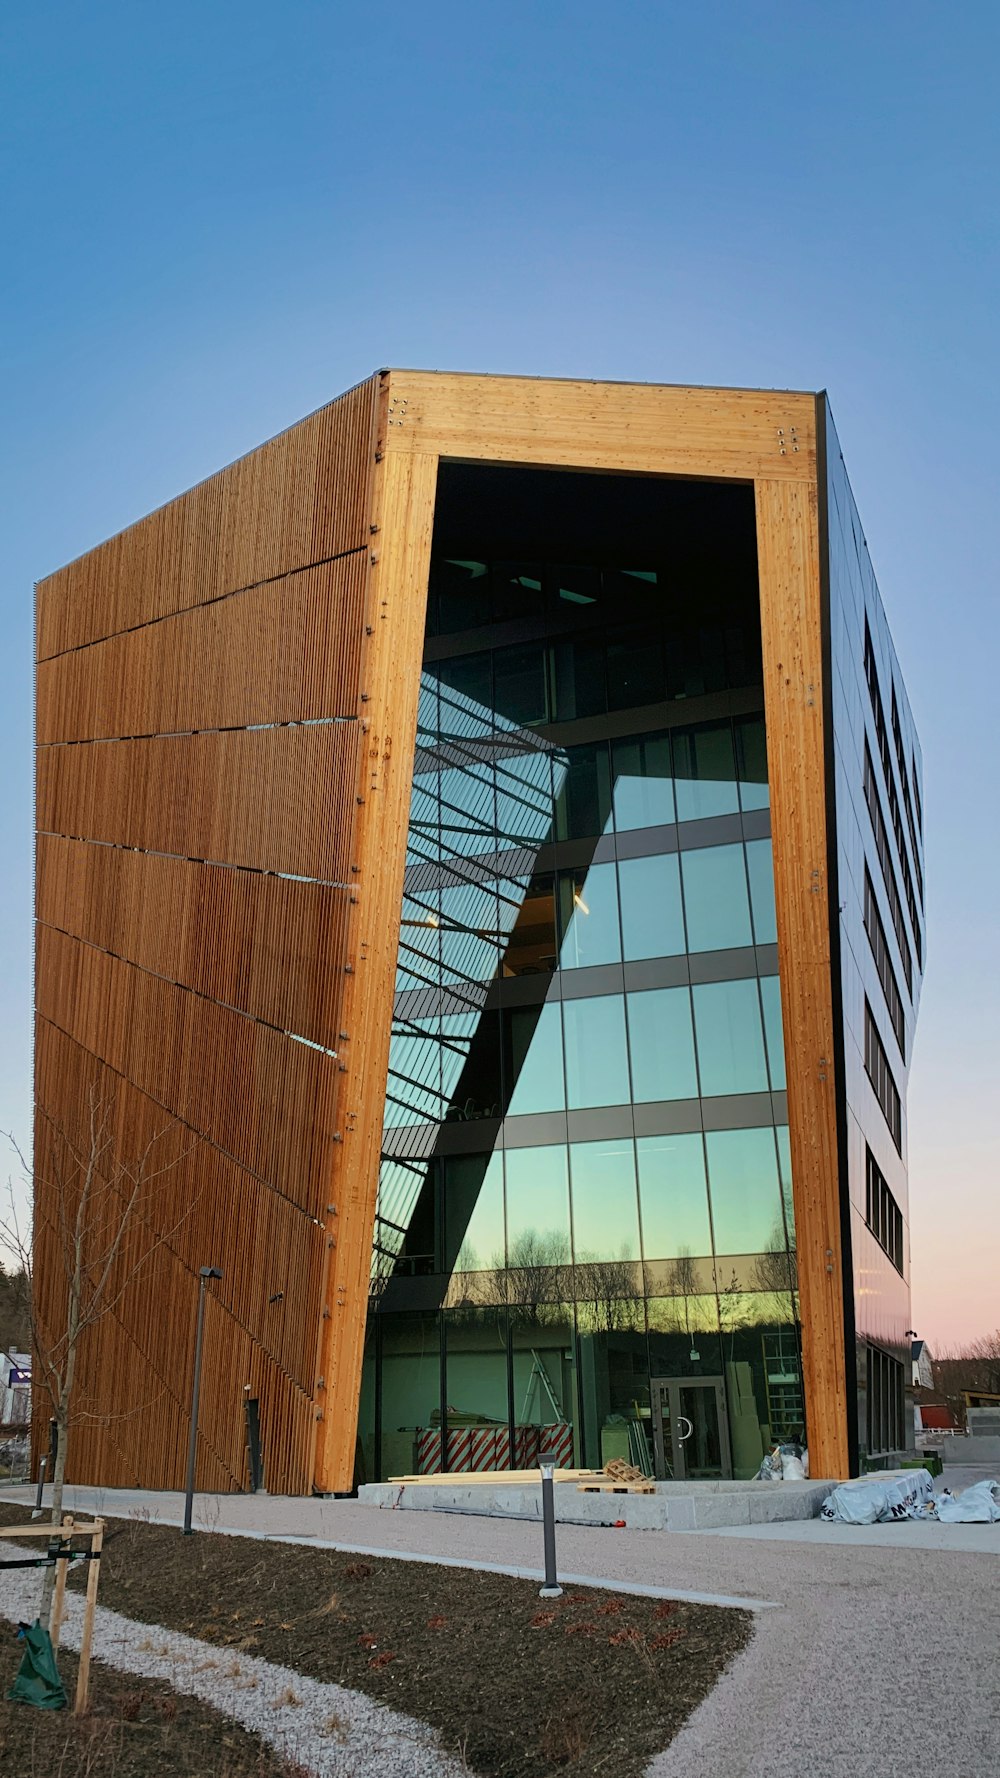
{"x": 179, "y": 980}
{"x": 299, "y": 499}
{"x": 268, "y": 1102}
{"x": 210, "y": 1212}
{"x": 645, "y": 428}
{"x": 273, "y": 947}
{"x": 216, "y": 666}
{"x": 279, "y": 799}
{"x": 404, "y": 511}
{"x": 791, "y": 634}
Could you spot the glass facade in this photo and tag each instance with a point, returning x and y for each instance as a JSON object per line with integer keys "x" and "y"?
{"x": 585, "y": 1209}
{"x": 879, "y": 890}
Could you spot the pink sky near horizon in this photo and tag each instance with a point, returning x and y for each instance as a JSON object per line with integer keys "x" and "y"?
{"x": 953, "y": 1166}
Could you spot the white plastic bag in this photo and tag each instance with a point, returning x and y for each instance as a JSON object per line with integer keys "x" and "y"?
{"x": 903, "y": 1494}
{"x": 978, "y": 1505}
{"x": 792, "y": 1469}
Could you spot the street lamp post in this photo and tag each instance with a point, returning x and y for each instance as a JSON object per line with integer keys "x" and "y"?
{"x": 204, "y": 1275}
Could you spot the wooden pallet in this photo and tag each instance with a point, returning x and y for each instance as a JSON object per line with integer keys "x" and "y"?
{"x": 616, "y": 1487}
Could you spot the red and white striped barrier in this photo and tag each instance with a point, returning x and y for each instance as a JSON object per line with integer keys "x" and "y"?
{"x": 428, "y": 1449}
{"x": 458, "y": 1457}
{"x": 482, "y": 1448}
{"x": 559, "y": 1441}
{"x": 479, "y": 1449}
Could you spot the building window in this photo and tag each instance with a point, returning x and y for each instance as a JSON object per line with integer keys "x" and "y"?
{"x": 882, "y": 737}
{"x": 880, "y": 1075}
{"x": 897, "y": 736}
{"x": 884, "y": 851}
{"x": 882, "y": 1213}
{"x": 916, "y": 795}
{"x": 885, "y": 1403}
{"x": 883, "y": 963}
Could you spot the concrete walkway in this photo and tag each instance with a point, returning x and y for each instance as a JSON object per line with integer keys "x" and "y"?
{"x": 880, "y": 1661}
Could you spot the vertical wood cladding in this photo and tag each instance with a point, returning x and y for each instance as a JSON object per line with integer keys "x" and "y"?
{"x": 204, "y": 709}
{"x": 404, "y": 514}
{"x": 794, "y": 697}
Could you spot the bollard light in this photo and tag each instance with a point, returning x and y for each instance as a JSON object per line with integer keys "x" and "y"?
{"x": 551, "y": 1589}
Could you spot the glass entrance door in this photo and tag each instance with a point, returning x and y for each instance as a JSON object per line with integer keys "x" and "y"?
{"x": 690, "y": 1429}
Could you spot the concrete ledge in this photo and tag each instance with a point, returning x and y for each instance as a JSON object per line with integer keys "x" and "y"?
{"x": 675, "y": 1506}
{"x": 975, "y": 1449}
{"x": 641, "y": 1512}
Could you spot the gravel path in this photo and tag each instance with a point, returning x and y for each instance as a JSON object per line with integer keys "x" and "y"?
{"x": 880, "y": 1660}
{"x": 331, "y": 1731}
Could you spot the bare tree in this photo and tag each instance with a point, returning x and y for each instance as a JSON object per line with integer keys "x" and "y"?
{"x": 973, "y": 1368}
{"x": 775, "y": 1270}
{"x": 98, "y": 1217}
{"x": 682, "y": 1285}
{"x": 609, "y": 1293}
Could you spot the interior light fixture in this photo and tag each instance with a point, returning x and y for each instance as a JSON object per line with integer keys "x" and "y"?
{"x": 580, "y": 903}
{"x": 432, "y": 920}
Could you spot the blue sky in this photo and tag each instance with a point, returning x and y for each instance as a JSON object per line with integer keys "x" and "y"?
{"x": 218, "y": 216}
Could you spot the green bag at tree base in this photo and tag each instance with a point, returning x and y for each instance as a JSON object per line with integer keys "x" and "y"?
{"x": 38, "y": 1680}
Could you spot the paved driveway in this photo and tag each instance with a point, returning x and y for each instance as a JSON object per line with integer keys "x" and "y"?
{"x": 879, "y": 1660}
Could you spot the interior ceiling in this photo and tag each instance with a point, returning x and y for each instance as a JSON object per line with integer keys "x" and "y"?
{"x": 498, "y": 510}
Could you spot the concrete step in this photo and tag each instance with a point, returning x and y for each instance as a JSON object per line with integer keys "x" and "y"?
{"x": 675, "y": 1506}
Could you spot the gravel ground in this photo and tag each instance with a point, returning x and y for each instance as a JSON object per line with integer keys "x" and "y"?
{"x": 881, "y": 1660}
{"x": 327, "y": 1729}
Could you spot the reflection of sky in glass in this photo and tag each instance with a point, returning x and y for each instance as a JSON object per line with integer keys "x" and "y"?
{"x": 596, "y": 1058}
{"x": 761, "y": 870}
{"x": 605, "y": 1216}
{"x": 746, "y": 1196}
{"x": 674, "y": 1196}
{"x": 716, "y": 899}
{"x": 590, "y": 919}
{"x": 539, "y": 1084}
{"x": 730, "y": 1038}
{"x": 751, "y": 747}
{"x": 652, "y": 922}
{"x": 705, "y": 773}
{"x": 770, "y": 993}
{"x": 644, "y": 788}
{"x": 537, "y": 1206}
{"x": 661, "y": 1044}
{"x": 483, "y": 1246}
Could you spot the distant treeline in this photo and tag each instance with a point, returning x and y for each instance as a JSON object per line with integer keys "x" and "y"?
{"x": 15, "y": 1323}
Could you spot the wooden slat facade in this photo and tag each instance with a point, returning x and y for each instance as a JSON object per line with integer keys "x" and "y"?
{"x": 227, "y": 703}
{"x": 203, "y": 718}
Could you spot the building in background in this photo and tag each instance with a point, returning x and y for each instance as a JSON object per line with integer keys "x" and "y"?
{"x": 923, "y": 1364}
{"x": 489, "y": 818}
{"x": 15, "y": 1388}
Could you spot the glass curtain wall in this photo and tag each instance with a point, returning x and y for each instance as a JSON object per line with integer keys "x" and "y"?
{"x": 584, "y": 1215}
{"x": 881, "y": 936}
